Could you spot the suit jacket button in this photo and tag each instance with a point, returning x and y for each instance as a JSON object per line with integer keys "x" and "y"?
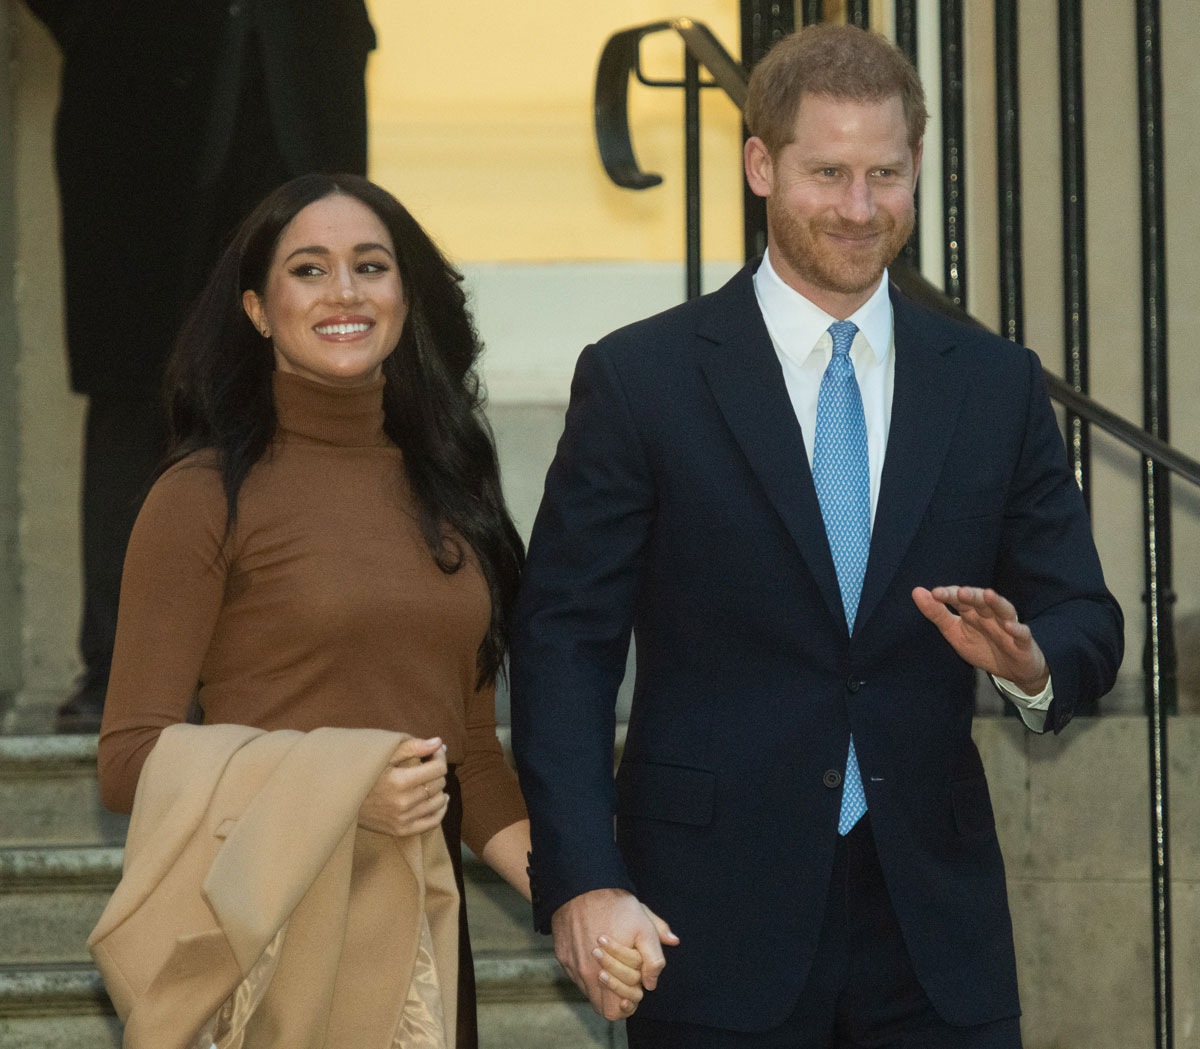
{"x": 855, "y": 683}
{"x": 832, "y": 778}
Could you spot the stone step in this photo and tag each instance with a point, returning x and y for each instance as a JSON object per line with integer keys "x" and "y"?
{"x": 48, "y": 793}
{"x": 51, "y": 997}
{"x": 524, "y": 1003}
{"x": 51, "y": 899}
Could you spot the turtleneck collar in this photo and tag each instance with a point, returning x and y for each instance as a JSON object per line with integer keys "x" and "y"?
{"x": 348, "y": 416}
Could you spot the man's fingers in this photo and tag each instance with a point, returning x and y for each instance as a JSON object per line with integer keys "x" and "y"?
{"x": 971, "y": 603}
{"x": 931, "y": 606}
{"x": 650, "y": 948}
{"x": 663, "y": 929}
{"x": 1019, "y": 632}
{"x": 585, "y": 974}
{"x": 653, "y": 961}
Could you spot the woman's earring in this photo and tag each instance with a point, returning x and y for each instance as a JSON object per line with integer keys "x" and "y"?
{"x": 266, "y": 333}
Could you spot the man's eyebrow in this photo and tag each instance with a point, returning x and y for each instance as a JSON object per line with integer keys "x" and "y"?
{"x": 320, "y": 249}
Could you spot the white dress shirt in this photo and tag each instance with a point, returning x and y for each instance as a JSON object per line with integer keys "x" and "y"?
{"x": 799, "y": 331}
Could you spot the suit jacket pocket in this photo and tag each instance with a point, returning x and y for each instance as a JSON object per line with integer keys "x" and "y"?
{"x": 675, "y": 793}
{"x": 972, "y": 807}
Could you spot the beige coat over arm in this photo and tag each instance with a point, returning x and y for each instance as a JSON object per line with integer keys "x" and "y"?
{"x": 253, "y": 911}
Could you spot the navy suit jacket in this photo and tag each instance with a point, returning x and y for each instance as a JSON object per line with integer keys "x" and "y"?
{"x": 681, "y": 505}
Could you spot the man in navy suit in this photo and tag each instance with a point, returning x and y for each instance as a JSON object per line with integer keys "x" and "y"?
{"x": 813, "y": 578}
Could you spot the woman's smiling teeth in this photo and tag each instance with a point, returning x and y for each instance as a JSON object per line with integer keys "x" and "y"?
{"x": 342, "y": 329}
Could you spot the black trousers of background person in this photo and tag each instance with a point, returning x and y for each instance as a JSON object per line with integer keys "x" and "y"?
{"x": 862, "y": 992}
{"x": 124, "y": 441}
{"x": 125, "y": 437}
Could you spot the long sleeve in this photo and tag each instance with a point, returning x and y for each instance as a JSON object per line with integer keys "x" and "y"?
{"x": 571, "y": 637}
{"x": 171, "y": 593}
{"x": 1072, "y": 615}
{"x": 490, "y": 796}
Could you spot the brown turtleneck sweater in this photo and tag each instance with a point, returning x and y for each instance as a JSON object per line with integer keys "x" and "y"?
{"x": 324, "y": 607}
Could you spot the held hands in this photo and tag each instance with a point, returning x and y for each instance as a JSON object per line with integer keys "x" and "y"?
{"x": 986, "y": 633}
{"x": 591, "y": 932}
{"x": 409, "y": 797}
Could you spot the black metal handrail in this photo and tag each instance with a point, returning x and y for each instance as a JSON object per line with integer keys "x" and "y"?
{"x": 916, "y": 287}
{"x": 621, "y": 58}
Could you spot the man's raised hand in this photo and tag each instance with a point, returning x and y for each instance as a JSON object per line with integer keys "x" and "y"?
{"x": 983, "y": 628}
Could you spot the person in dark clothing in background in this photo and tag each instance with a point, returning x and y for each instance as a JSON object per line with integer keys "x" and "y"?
{"x": 174, "y": 120}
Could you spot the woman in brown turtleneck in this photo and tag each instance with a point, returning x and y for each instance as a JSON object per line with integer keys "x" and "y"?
{"x": 329, "y": 546}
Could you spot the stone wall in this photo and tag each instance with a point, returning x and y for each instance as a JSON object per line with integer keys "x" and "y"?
{"x": 1073, "y": 815}
{"x": 10, "y": 561}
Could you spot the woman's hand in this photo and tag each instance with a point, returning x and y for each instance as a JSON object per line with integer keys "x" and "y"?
{"x": 620, "y": 972}
{"x": 410, "y": 795}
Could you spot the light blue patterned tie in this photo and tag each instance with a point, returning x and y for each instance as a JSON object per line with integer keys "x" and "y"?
{"x": 843, "y": 481}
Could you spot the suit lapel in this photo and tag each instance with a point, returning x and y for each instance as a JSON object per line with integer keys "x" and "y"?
{"x": 925, "y": 404}
{"x": 746, "y": 380}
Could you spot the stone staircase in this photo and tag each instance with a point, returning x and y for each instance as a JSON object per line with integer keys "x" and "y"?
{"x": 60, "y": 857}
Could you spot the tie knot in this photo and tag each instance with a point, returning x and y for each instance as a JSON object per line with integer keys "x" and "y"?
{"x": 843, "y": 333}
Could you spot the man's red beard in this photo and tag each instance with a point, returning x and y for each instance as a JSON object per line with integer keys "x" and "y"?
{"x": 844, "y": 268}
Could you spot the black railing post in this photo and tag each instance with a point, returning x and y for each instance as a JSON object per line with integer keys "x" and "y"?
{"x": 954, "y": 196}
{"x": 906, "y": 40}
{"x": 1008, "y": 172}
{"x": 812, "y": 11}
{"x": 691, "y": 164}
{"x": 1156, "y": 491}
{"x": 1074, "y": 231}
{"x": 763, "y": 23}
{"x": 858, "y": 12}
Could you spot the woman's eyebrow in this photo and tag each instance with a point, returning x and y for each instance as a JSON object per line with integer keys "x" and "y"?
{"x": 318, "y": 249}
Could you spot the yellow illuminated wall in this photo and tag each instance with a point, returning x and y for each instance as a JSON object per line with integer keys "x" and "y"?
{"x": 481, "y": 122}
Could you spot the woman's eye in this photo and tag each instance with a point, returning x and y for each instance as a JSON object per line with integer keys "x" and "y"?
{"x": 373, "y": 266}
{"x": 306, "y": 269}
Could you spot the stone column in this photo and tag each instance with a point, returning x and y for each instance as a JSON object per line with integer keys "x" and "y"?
{"x": 10, "y": 508}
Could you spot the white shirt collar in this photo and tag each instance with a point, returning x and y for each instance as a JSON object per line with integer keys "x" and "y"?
{"x": 797, "y": 325}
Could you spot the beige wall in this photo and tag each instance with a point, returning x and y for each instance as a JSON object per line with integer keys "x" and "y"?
{"x": 50, "y": 417}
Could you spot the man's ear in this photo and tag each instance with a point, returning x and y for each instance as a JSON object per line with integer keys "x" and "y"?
{"x": 760, "y": 172}
{"x": 253, "y": 306}
{"x": 917, "y": 160}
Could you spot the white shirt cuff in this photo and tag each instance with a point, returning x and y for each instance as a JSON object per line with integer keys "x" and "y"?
{"x": 1031, "y": 708}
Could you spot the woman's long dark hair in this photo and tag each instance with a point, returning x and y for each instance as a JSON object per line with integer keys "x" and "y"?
{"x": 219, "y": 391}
